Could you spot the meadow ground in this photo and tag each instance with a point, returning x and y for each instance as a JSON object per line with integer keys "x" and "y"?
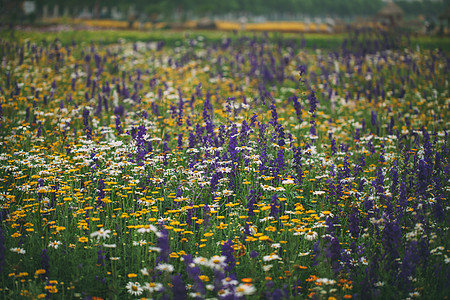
{"x": 223, "y": 165}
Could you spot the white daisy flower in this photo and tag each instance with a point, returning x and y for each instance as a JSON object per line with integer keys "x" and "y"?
{"x": 55, "y": 244}
{"x": 165, "y": 268}
{"x": 134, "y": 288}
{"x": 311, "y": 236}
{"x": 102, "y": 233}
{"x": 245, "y": 289}
{"x": 18, "y": 250}
{"x": 271, "y": 257}
{"x": 201, "y": 261}
{"x": 153, "y": 286}
{"x": 217, "y": 262}
{"x": 267, "y": 268}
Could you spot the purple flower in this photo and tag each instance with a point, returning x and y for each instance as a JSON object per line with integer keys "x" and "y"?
{"x": 45, "y": 262}
{"x": 86, "y": 124}
{"x": 118, "y": 125}
{"x": 274, "y": 206}
{"x": 178, "y": 288}
{"x": 163, "y": 243}
{"x": 2, "y": 249}
{"x": 354, "y": 223}
{"x": 391, "y": 242}
{"x": 252, "y": 199}
{"x": 280, "y": 161}
{"x": 302, "y": 70}
{"x": 227, "y": 251}
{"x": 312, "y": 102}
{"x": 100, "y": 257}
{"x": 274, "y": 120}
{"x": 254, "y": 254}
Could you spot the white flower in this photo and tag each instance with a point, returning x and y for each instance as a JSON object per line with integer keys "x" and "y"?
{"x": 301, "y": 254}
{"x": 227, "y": 192}
{"x": 54, "y": 244}
{"x": 363, "y": 260}
{"x": 379, "y": 283}
{"x": 153, "y": 286}
{"x": 140, "y": 243}
{"x": 275, "y": 245}
{"x": 267, "y": 268}
{"x": 318, "y": 192}
{"x": 156, "y": 249}
{"x": 109, "y": 245}
{"x": 326, "y": 281}
{"x": 217, "y": 262}
{"x": 229, "y": 281}
{"x": 145, "y": 272}
{"x": 245, "y": 289}
{"x": 224, "y": 169}
{"x": 148, "y": 228}
{"x": 101, "y": 233}
{"x": 114, "y": 258}
{"x": 165, "y": 268}
{"x": 134, "y": 288}
{"x": 18, "y": 250}
{"x": 311, "y": 235}
{"x": 195, "y": 295}
{"x": 287, "y": 181}
{"x": 271, "y": 257}
{"x": 201, "y": 261}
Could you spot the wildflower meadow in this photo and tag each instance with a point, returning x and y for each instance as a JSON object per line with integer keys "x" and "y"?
{"x": 249, "y": 167}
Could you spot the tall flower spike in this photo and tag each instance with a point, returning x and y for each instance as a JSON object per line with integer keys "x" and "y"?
{"x": 227, "y": 251}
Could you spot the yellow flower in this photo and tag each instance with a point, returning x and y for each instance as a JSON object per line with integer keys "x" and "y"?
{"x": 83, "y": 239}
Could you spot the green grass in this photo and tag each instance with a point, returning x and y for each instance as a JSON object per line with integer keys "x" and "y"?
{"x": 171, "y": 37}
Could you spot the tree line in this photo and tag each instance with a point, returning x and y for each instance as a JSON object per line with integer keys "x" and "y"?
{"x": 166, "y": 9}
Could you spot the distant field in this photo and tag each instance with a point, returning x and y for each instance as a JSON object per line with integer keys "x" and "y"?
{"x": 172, "y": 37}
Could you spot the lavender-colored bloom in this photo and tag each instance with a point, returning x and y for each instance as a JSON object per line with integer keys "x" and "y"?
{"x": 254, "y": 254}
{"x": 298, "y": 108}
{"x": 302, "y": 70}
{"x": 45, "y": 262}
{"x": 227, "y": 251}
{"x": 180, "y": 141}
{"x": 178, "y": 288}
{"x": 2, "y": 248}
{"x": 233, "y": 143}
{"x": 354, "y": 223}
{"x": 280, "y": 161}
{"x": 163, "y": 243}
{"x": 100, "y": 257}
{"x": 274, "y": 120}
{"x": 86, "y": 124}
{"x": 297, "y": 164}
{"x": 252, "y": 199}
{"x": 274, "y": 206}
{"x": 101, "y": 193}
{"x": 118, "y": 125}
{"x": 333, "y": 146}
{"x": 391, "y": 242}
{"x": 312, "y": 102}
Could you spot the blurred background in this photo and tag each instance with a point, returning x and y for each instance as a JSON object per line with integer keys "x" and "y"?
{"x": 327, "y": 16}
